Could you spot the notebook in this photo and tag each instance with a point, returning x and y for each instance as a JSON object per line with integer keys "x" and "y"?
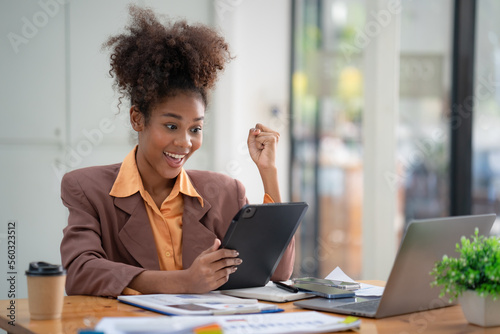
{"x": 408, "y": 287}
{"x": 270, "y": 292}
{"x": 212, "y": 303}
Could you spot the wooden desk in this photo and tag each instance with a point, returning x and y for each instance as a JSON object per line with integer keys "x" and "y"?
{"x": 85, "y": 311}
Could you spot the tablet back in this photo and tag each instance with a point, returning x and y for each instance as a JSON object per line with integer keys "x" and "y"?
{"x": 261, "y": 233}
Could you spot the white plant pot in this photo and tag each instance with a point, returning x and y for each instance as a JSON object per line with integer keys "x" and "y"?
{"x": 482, "y": 311}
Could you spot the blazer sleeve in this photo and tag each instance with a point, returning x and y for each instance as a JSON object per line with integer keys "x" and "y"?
{"x": 89, "y": 271}
{"x": 285, "y": 267}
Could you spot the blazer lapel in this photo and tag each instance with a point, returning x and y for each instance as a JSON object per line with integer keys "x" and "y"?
{"x": 137, "y": 235}
{"x": 196, "y": 237}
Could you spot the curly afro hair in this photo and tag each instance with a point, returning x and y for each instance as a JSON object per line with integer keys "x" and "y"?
{"x": 153, "y": 61}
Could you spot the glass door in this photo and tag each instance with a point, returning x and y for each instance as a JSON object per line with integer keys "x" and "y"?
{"x": 328, "y": 77}
{"x": 424, "y": 123}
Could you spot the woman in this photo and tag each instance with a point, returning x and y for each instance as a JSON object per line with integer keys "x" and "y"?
{"x": 147, "y": 225}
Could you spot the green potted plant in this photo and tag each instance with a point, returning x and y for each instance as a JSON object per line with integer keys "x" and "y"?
{"x": 473, "y": 278}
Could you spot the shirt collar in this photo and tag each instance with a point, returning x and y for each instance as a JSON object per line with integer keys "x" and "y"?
{"x": 186, "y": 187}
{"x": 129, "y": 181}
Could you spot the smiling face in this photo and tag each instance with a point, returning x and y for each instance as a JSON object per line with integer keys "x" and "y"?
{"x": 171, "y": 135}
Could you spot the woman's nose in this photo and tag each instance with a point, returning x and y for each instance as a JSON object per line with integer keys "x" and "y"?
{"x": 183, "y": 140}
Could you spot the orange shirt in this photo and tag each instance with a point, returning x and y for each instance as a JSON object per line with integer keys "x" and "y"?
{"x": 166, "y": 221}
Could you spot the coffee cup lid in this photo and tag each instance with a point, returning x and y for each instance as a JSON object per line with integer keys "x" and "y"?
{"x": 45, "y": 269}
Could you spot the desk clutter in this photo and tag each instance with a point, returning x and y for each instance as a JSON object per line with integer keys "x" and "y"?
{"x": 239, "y": 310}
{"x": 82, "y": 313}
{"x": 413, "y": 262}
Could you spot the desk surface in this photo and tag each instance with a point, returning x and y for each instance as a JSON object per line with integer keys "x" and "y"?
{"x": 84, "y": 311}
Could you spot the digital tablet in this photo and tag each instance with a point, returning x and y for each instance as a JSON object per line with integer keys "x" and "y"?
{"x": 261, "y": 233}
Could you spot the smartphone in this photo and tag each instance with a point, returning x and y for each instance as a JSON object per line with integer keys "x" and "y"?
{"x": 327, "y": 282}
{"x": 324, "y": 291}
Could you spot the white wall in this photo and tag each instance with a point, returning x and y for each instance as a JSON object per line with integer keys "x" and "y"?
{"x": 255, "y": 83}
{"x": 59, "y": 110}
{"x": 33, "y": 99}
{"x": 380, "y": 113}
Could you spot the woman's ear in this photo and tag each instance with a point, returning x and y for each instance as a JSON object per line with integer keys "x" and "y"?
{"x": 136, "y": 119}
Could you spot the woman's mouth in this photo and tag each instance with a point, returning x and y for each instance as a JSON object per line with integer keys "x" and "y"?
{"x": 174, "y": 160}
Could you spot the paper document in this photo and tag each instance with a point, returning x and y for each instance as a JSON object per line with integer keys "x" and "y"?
{"x": 279, "y": 323}
{"x": 212, "y": 303}
{"x": 366, "y": 289}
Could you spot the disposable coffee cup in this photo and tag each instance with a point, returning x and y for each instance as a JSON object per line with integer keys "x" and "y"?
{"x": 45, "y": 290}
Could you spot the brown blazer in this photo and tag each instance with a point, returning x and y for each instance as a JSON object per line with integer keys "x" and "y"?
{"x": 109, "y": 241}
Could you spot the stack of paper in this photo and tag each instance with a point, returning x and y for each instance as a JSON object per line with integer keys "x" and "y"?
{"x": 292, "y": 322}
{"x": 366, "y": 289}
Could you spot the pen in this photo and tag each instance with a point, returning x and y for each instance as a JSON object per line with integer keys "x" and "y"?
{"x": 286, "y": 287}
{"x": 243, "y": 310}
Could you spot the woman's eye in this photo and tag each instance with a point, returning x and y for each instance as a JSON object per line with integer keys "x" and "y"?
{"x": 171, "y": 126}
{"x": 196, "y": 130}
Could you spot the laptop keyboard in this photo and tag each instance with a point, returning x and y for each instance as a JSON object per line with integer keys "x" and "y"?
{"x": 366, "y": 306}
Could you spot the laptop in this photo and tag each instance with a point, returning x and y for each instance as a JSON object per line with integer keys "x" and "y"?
{"x": 408, "y": 287}
{"x": 261, "y": 233}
